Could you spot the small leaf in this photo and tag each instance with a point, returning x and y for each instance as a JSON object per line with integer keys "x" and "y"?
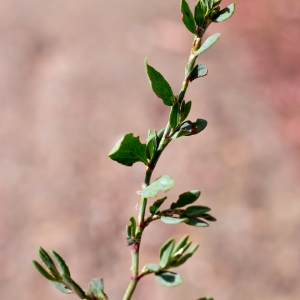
{"x": 208, "y": 217}
{"x": 225, "y": 13}
{"x": 129, "y": 230}
{"x": 129, "y": 150}
{"x": 217, "y": 2}
{"x": 96, "y": 289}
{"x": 159, "y": 85}
{"x": 196, "y": 222}
{"x": 208, "y": 43}
{"x": 168, "y": 279}
{"x": 187, "y": 17}
{"x": 61, "y": 263}
{"x": 130, "y": 241}
{"x": 49, "y": 263}
{"x": 208, "y": 3}
{"x": 196, "y": 211}
{"x": 180, "y": 244}
{"x": 171, "y": 220}
{"x": 133, "y": 226}
{"x": 184, "y": 258}
{"x": 62, "y": 287}
{"x": 199, "y": 71}
{"x": 165, "y": 253}
{"x": 73, "y": 286}
{"x": 174, "y": 117}
{"x": 186, "y": 198}
{"x": 163, "y": 183}
{"x": 188, "y": 128}
{"x": 152, "y": 267}
{"x": 185, "y": 110}
{"x": 156, "y": 205}
{"x": 199, "y": 13}
{"x": 42, "y": 271}
{"x": 150, "y": 144}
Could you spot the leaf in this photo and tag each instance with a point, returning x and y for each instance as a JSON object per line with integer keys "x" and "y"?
{"x": 199, "y": 13}
{"x": 225, "y": 13}
{"x": 151, "y": 144}
{"x": 180, "y": 245}
{"x": 165, "y": 253}
{"x": 96, "y": 289}
{"x": 217, "y": 2}
{"x": 206, "y": 298}
{"x": 174, "y": 117}
{"x": 62, "y": 287}
{"x": 156, "y": 205}
{"x": 42, "y": 271}
{"x": 208, "y": 43}
{"x": 129, "y": 150}
{"x": 208, "y": 3}
{"x": 49, "y": 263}
{"x": 188, "y": 128}
{"x": 208, "y": 217}
{"x": 185, "y": 109}
{"x": 184, "y": 258}
{"x": 196, "y": 222}
{"x": 163, "y": 183}
{"x": 186, "y": 198}
{"x": 187, "y": 17}
{"x": 199, "y": 71}
{"x": 171, "y": 220}
{"x": 195, "y": 211}
{"x": 61, "y": 263}
{"x": 74, "y": 286}
{"x": 152, "y": 267}
{"x": 159, "y": 85}
{"x": 168, "y": 279}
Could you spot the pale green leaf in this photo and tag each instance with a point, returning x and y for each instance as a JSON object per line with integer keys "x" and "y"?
{"x": 163, "y": 183}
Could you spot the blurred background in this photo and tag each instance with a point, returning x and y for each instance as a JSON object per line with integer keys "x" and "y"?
{"x": 72, "y": 82}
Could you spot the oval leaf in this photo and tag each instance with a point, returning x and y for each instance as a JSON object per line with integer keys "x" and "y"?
{"x": 199, "y": 71}
{"x": 129, "y": 150}
{"x": 96, "y": 288}
{"x": 199, "y": 13}
{"x": 163, "y": 183}
{"x": 187, "y": 17}
{"x": 152, "y": 267}
{"x": 62, "y": 287}
{"x": 196, "y": 222}
{"x": 195, "y": 211}
{"x": 208, "y": 43}
{"x": 186, "y": 198}
{"x": 165, "y": 253}
{"x": 159, "y": 85}
{"x": 171, "y": 220}
{"x": 225, "y": 13}
{"x": 168, "y": 279}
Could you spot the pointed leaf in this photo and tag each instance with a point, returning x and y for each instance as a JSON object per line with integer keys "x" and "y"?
{"x": 159, "y": 85}
{"x": 174, "y": 117}
{"x": 208, "y": 43}
{"x": 73, "y": 286}
{"x": 96, "y": 289}
{"x": 168, "y": 279}
{"x": 42, "y": 271}
{"x": 199, "y": 13}
{"x": 133, "y": 226}
{"x": 187, "y": 17}
{"x": 49, "y": 263}
{"x": 152, "y": 267}
{"x": 62, "y": 287}
{"x": 208, "y": 217}
{"x": 156, "y": 205}
{"x": 180, "y": 245}
{"x": 225, "y": 13}
{"x": 199, "y": 71}
{"x": 185, "y": 110}
{"x": 150, "y": 144}
{"x": 171, "y": 220}
{"x": 184, "y": 258}
{"x": 163, "y": 183}
{"x": 186, "y": 198}
{"x": 129, "y": 150}
{"x": 196, "y": 222}
{"x": 165, "y": 253}
{"x": 61, "y": 263}
{"x": 196, "y": 211}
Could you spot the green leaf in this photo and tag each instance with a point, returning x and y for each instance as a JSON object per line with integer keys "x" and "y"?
{"x": 188, "y": 128}
{"x": 206, "y": 298}
{"x": 199, "y": 71}
{"x": 171, "y": 220}
{"x": 62, "y": 287}
{"x": 180, "y": 245}
{"x": 196, "y": 211}
{"x": 49, "y": 263}
{"x": 133, "y": 226}
{"x": 196, "y": 222}
{"x": 129, "y": 150}
{"x": 217, "y": 2}
{"x": 96, "y": 289}
{"x": 184, "y": 258}
{"x": 199, "y": 13}
{"x": 208, "y": 43}
{"x": 73, "y": 286}
{"x": 156, "y": 205}
{"x": 186, "y": 198}
{"x": 225, "y": 13}
{"x": 174, "y": 117}
{"x": 151, "y": 144}
{"x": 208, "y": 217}
{"x": 42, "y": 271}
{"x": 165, "y": 253}
{"x": 61, "y": 263}
{"x": 159, "y": 85}
{"x": 185, "y": 109}
{"x": 168, "y": 279}
{"x": 187, "y": 17}
{"x": 209, "y": 3}
{"x": 152, "y": 267}
{"x": 163, "y": 183}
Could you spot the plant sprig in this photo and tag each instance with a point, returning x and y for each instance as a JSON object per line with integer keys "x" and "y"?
{"x": 129, "y": 150}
